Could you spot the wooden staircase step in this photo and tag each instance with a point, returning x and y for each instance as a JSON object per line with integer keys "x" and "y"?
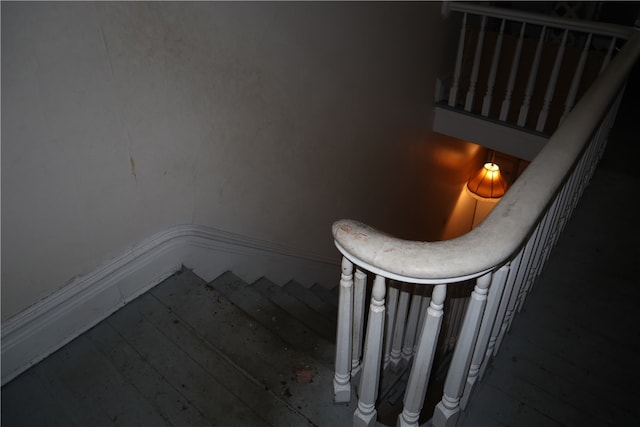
{"x": 188, "y": 363}
{"x": 308, "y": 297}
{"x": 241, "y": 340}
{"x": 298, "y": 309}
{"x": 268, "y": 314}
{"x": 329, "y": 296}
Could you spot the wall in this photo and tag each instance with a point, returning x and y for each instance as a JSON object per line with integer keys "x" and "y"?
{"x": 271, "y": 120}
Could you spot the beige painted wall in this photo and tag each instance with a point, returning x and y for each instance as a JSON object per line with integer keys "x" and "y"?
{"x": 266, "y": 119}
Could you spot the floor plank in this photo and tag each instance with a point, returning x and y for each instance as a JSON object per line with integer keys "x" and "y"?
{"x": 168, "y": 400}
{"x": 94, "y": 391}
{"x": 18, "y": 411}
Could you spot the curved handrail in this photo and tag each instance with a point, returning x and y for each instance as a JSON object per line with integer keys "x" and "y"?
{"x": 503, "y": 232}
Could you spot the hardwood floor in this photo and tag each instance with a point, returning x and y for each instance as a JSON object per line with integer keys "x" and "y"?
{"x": 184, "y": 355}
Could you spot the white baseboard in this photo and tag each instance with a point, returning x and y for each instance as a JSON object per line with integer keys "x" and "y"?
{"x": 46, "y": 326}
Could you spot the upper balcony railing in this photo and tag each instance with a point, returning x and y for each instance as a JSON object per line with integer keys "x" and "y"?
{"x": 525, "y": 69}
{"x": 500, "y": 258}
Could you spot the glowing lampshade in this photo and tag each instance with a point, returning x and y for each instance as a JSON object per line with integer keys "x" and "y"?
{"x": 488, "y": 183}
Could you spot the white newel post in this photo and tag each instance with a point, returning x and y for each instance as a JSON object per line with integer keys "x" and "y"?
{"x": 448, "y": 409}
{"x": 358, "y": 320}
{"x": 423, "y": 360}
{"x": 366, "y": 414}
{"x": 488, "y": 320}
{"x": 342, "y": 377}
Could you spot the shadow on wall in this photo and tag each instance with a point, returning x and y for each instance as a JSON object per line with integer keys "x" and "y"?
{"x": 441, "y": 166}
{"x": 437, "y": 206}
{"x": 468, "y": 212}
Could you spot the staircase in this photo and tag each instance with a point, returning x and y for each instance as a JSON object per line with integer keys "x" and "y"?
{"x": 191, "y": 353}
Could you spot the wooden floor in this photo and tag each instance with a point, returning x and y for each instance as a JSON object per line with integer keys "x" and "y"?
{"x": 184, "y": 355}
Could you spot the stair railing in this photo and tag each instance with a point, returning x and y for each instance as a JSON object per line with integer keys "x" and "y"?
{"x": 562, "y": 57}
{"x": 502, "y": 257}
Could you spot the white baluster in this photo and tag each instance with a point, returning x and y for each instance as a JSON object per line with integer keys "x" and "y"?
{"x": 512, "y": 290}
{"x": 366, "y": 414}
{"x": 497, "y": 324}
{"x": 506, "y": 103}
{"x": 490, "y": 312}
{"x": 423, "y": 361}
{"x": 451, "y": 322}
{"x": 551, "y": 227}
{"x": 523, "y": 271}
{"x": 609, "y": 55}
{"x": 573, "y": 91}
{"x": 392, "y": 308}
{"x": 448, "y": 409}
{"x": 400, "y": 324}
{"x": 551, "y": 87}
{"x": 476, "y": 67}
{"x": 486, "y": 103}
{"x": 560, "y": 211}
{"x": 424, "y": 306}
{"x": 359, "y": 296}
{"x": 458, "y": 303}
{"x": 533, "y": 75}
{"x": 530, "y": 259}
{"x": 453, "y": 92}
{"x": 342, "y": 378}
{"x": 412, "y": 324}
{"x": 439, "y": 92}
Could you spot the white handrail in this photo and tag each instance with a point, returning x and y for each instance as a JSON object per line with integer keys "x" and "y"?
{"x": 602, "y": 28}
{"x": 501, "y": 235}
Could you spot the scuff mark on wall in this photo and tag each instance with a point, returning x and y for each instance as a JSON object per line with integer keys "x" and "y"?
{"x": 132, "y": 163}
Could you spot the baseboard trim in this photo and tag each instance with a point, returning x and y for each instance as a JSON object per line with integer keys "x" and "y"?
{"x": 48, "y": 325}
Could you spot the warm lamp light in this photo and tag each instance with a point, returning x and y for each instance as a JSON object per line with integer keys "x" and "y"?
{"x": 488, "y": 183}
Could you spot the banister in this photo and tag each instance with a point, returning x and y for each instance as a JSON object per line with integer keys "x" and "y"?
{"x": 601, "y": 28}
{"x": 503, "y": 232}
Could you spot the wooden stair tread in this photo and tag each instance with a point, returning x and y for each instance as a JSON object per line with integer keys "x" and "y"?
{"x": 312, "y": 300}
{"x": 294, "y": 376}
{"x": 268, "y": 314}
{"x": 292, "y": 305}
